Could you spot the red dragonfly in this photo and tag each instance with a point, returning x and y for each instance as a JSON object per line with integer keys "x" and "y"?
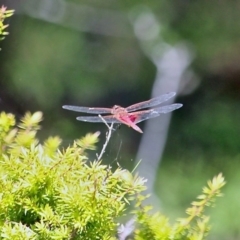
{"x": 128, "y": 115}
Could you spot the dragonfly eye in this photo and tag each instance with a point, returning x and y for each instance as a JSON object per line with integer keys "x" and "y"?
{"x": 116, "y": 107}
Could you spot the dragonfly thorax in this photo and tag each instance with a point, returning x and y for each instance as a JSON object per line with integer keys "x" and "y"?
{"x": 118, "y": 110}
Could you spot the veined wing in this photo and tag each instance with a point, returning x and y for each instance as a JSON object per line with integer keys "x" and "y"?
{"x": 87, "y": 109}
{"x": 150, "y": 103}
{"x": 108, "y": 119}
{"x": 152, "y": 113}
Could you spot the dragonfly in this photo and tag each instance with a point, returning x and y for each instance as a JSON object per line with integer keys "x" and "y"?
{"x": 129, "y": 116}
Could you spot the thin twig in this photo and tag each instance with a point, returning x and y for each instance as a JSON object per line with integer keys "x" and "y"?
{"x": 110, "y": 129}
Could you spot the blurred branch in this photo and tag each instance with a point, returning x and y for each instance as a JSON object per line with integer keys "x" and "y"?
{"x": 171, "y": 63}
{"x": 79, "y": 17}
{"x": 125, "y": 230}
{"x": 170, "y": 68}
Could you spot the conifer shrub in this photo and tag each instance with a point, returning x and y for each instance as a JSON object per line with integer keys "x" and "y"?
{"x": 51, "y": 192}
{"x": 4, "y": 13}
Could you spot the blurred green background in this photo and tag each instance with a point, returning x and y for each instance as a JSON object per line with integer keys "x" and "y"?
{"x": 86, "y": 53}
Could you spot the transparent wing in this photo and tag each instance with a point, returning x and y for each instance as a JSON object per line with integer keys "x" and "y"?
{"x": 108, "y": 119}
{"x": 152, "y": 113}
{"x": 87, "y": 109}
{"x": 150, "y": 103}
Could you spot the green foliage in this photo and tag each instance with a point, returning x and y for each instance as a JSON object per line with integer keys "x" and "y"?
{"x": 194, "y": 227}
{"x": 214, "y": 128}
{"x": 51, "y": 193}
{"x": 4, "y": 13}
{"x": 47, "y": 193}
